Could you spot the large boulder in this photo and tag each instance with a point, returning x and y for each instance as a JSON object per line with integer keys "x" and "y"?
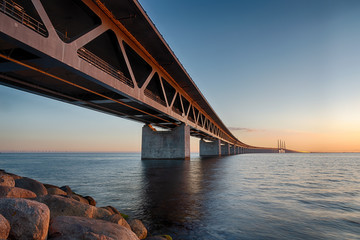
{"x": 160, "y": 237}
{"x": 55, "y": 191}
{"x": 100, "y": 213}
{"x": 78, "y": 198}
{"x": 138, "y": 228}
{"x": 28, "y": 219}
{"x": 30, "y": 184}
{"x": 63, "y": 206}
{"x": 47, "y": 186}
{"x": 4, "y": 227}
{"x": 118, "y": 219}
{"x": 66, "y": 189}
{"x": 70, "y": 227}
{"x": 14, "y": 176}
{"x": 15, "y": 192}
{"x": 6, "y": 180}
{"x": 90, "y": 200}
{"x": 111, "y": 209}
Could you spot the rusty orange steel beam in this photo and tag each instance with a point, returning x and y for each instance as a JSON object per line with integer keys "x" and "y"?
{"x": 108, "y": 13}
{"x": 81, "y": 87}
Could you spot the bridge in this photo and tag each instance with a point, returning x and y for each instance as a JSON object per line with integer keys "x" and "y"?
{"x": 108, "y": 56}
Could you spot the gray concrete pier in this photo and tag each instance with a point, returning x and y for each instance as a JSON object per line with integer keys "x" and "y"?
{"x": 208, "y": 149}
{"x": 232, "y": 150}
{"x": 173, "y": 144}
{"x": 225, "y": 149}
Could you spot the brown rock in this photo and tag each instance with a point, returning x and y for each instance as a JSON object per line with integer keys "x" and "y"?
{"x": 78, "y": 198}
{"x": 4, "y": 227}
{"x": 15, "y": 192}
{"x": 138, "y": 228}
{"x": 62, "y": 206}
{"x": 47, "y": 186}
{"x": 28, "y": 219}
{"x": 14, "y": 176}
{"x": 111, "y": 209}
{"x": 118, "y": 219}
{"x": 159, "y": 237}
{"x": 7, "y": 180}
{"x": 56, "y": 191}
{"x": 100, "y": 213}
{"x": 91, "y": 201}
{"x": 67, "y": 189}
{"x": 70, "y": 227}
{"x": 32, "y": 185}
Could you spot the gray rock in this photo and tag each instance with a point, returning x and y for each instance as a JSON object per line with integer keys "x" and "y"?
{"x": 30, "y": 184}
{"x": 4, "y": 227}
{"x": 28, "y": 219}
{"x": 56, "y": 191}
{"x": 70, "y": 227}
{"x": 138, "y": 228}
{"x": 15, "y": 192}
{"x": 6, "y": 180}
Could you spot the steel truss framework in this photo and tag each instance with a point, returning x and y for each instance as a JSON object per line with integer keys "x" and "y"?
{"x": 91, "y": 60}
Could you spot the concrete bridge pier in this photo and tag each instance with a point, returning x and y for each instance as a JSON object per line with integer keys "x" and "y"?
{"x": 225, "y": 149}
{"x": 232, "y": 150}
{"x": 174, "y": 144}
{"x": 208, "y": 149}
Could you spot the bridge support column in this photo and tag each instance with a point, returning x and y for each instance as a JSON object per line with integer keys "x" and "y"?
{"x": 232, "y": 150}
{"x": 225, "y": 149}
{"x": 173, "y": 144}
{"x": 208, "y": 149}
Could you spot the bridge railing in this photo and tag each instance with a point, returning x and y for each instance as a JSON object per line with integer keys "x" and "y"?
{"x": 177, "y": 110}
{"x": 154, "y": 97}
{"x": 104, "y": 66}
{"x": 17, "y": 12}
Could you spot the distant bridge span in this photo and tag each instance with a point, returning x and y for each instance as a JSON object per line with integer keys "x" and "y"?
{"x": 107, "y": 55}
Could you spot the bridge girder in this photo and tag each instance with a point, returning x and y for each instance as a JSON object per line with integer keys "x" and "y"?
{"x": 100, "y": 65}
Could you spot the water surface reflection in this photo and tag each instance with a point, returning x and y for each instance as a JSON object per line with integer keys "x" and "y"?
{"x": 257, "y": 196}
{"x": 247, "y": 196}
{"x": 174, "y": 193}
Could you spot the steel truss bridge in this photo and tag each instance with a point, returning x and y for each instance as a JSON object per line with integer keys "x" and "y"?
{"x": 105, "y": 55}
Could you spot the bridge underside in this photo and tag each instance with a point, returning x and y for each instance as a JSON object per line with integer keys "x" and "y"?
{"x": 34, "y": 72}
{"x": 86, "y": 62}
{"x": 79, "y": 52}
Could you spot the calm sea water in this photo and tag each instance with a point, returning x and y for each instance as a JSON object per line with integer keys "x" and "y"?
{"x": 249, "y": 196}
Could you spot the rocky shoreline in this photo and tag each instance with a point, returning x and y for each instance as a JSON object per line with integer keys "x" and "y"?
{"x": 32, "y": 210}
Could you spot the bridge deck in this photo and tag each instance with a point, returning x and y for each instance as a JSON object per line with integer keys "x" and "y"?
{"x": 110, "y": 58}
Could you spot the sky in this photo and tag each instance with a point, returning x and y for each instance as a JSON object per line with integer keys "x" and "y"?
{"x": 271, "y": 69}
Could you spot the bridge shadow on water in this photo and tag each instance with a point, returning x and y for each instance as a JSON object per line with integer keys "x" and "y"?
{"x": 175, "y": 194}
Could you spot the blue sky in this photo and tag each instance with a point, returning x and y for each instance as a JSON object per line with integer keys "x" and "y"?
{"x": 285, "y": 69}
